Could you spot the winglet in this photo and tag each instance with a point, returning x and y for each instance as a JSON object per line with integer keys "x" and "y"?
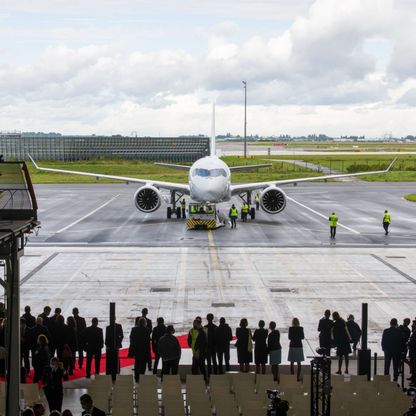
{"x": 33, "y": 161}
{"x": 391, "y": 164}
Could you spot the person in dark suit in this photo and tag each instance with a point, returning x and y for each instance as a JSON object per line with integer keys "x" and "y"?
{"x": 260, "y": 347}
{"x": 244, "y": 346}
{"x": 391, "y": 343}
{"x": 40, "y": 358}
{"x": 140, "y": 346}
{"x": 25, "y": 344}
{"x": 54, "y": 389}
{"x": 71, "y": 345}
{"x": 29, "y": 318}
{"x": 223, "y": 337}
{"x": 342, "y": 341}
{"x": 210, "y": 329}
{"x": 412, "y": 358}
{"x": 150, "y": 328}
{"x": 88, "y": 406}
{"x": 355, "y": 332}
{"x": 405, "y": 330}
{"x": 94, "y": 342}
{"x": 38, "y": 329}
{"x": 45, "y": 315}
{"x": 158, "y": 331}
{"x": 51, "y": 327}
{"x": 170, "y": 351}
{"x": 325, "y": 332}
{"x": 59, "y": 335}
{"x": 113, "y": 342}
{"x": 81, "y": 327}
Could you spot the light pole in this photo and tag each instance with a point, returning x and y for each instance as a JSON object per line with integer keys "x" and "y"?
{"x": 245, "y": 118}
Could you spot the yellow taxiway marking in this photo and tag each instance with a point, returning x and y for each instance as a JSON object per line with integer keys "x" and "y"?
{"x": 215, "y": 265}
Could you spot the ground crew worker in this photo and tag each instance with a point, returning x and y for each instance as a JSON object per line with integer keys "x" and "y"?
{"x": 333, "y": 221}
{"x": 257, "y": 202}
{"x": 244, "y": 211}
{"x": 386, "y": 221}
{"x": 183, "y": 207}
{"x": 233, "y": 216}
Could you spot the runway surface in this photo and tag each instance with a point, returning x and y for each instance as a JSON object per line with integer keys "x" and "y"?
{"x": 104, "y": 214}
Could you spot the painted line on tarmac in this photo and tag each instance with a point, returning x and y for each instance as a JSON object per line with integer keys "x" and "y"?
{"x": 322, "y": 215}
{"x": 215, "y": 265}
{"x": 38, "y": 268}
{"x": 87, "y": 215}
{"x": 394, "y": 268}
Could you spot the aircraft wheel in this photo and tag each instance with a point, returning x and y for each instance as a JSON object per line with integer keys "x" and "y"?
{"x": 253, "y": 213}
{"x": 178, "y": 212}
{"x": 169, "y": 212}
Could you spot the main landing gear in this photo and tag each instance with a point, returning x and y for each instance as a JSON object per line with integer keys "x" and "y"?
{"x": 174, "y": 208}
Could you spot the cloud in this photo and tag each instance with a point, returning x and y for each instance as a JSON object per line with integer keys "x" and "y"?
{"x": 332, "y": 54}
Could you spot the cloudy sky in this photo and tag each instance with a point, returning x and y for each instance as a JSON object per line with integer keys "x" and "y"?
{"x": 155, "y": 66}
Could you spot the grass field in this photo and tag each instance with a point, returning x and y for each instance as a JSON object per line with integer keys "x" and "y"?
{"x": 411, "y": 197}
{"x": 147, "y": 170}
{"x": 403, "y": 170}
{"x": 342, "y": 146}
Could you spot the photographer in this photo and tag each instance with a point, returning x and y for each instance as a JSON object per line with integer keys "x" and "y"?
{"x": 53, "y": 379}
{"x": 277, "y": 407}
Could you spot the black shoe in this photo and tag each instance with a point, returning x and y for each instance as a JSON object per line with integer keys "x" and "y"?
{"x": 88, "y": 376}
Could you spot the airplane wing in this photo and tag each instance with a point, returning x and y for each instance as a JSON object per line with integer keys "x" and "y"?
{"x": 244, "y": 187}
{"x": 173, "y": 166}
{"x": 249, "y": 167}
{"x": 171, "y": 186}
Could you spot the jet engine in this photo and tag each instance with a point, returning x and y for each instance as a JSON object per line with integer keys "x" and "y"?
{"x": 273, "y": 200}
{"x": 147, "y": 198}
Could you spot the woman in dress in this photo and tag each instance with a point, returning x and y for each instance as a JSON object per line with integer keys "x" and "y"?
{"x": 275, "y": 349}
{"x": 296, "y": 336}
{"x": 260, "y": 347}
{"x": 244, "y": 346}
{"x": 341, "y": 340}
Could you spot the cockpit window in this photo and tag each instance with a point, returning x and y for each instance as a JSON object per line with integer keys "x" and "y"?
{"x": 209, "y": 172}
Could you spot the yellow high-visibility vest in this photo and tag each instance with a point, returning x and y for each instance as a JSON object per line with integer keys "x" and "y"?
{"x": 387, "y": 218}
{"x": 233, "y": 212}
{"x": 245, "y": 208}
{"x": 333, "y": 220}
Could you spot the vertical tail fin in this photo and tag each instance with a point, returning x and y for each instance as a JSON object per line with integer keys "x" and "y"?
{"x": 212, "y": 146}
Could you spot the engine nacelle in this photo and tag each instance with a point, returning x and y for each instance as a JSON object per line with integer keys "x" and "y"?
{"x": 147, "y": 198}
{"x": 273, "y": 200}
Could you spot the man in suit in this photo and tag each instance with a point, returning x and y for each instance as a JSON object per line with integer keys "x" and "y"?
{"x": 29, "y": 318}
{"x": 88, "y": 406}
{"x": 38, "y": 329}
{"x": 45, "y": 315}
{"x": 210, "y": 329}
{"x": 158, "y": 331}
{"x": 113, "y": 342}
{"x": 80, "y": 331}
{"x": 223, "y": 337}
{"x": 325, "y": 332}
{"x": 140, "y": 347}
{"x": 391, "y": 343}
{"x": 150, "y": 328}
{"x": 94, "y": 342}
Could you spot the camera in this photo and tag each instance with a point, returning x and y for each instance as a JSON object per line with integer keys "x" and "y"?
{"x": 277, "y": 407}
{"x": 321, "y": 351}
{"x": 411, "y": 391}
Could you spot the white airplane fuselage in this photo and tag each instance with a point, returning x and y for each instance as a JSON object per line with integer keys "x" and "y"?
{"x": 210, "y": 180}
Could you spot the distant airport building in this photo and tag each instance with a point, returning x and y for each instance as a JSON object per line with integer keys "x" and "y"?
{"x": 71, "y": 148}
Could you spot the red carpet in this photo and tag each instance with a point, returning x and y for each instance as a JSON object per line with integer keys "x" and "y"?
{"x": 124, "y": 361}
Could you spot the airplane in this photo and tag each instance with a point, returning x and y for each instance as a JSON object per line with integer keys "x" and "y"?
{"x": 210, "y": 182}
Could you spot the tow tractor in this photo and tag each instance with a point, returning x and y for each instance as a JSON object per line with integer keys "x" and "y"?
{"x": 203, "y": 216}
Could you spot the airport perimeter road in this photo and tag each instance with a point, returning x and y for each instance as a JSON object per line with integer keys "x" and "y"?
{"x": 104, "y": 214}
